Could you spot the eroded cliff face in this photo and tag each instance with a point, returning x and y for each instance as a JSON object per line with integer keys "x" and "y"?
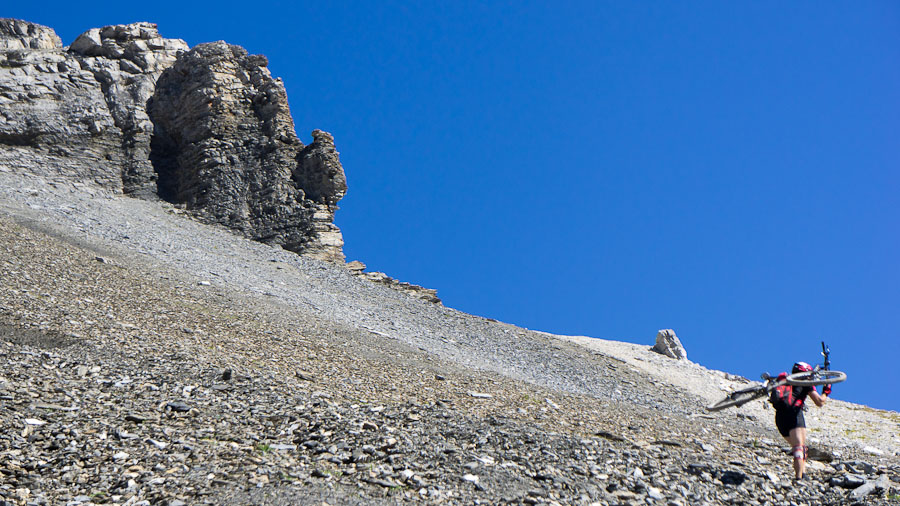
{"x": 54, "y": 118}
{"x": 225, "y": 145}
{"x": 208, "y": 128}
{"x": 126, "y": 61}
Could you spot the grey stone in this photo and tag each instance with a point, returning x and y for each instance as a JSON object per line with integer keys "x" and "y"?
{"x": 158, "y": 444}
{"x": 873, "y": 450}
{"x": 427, "y": 294}
{"x": 18, "y": 34}
{"x": 668, "y": 344}
{"x": 224, "y": 146}
{"x": 847, "y": 481}
{"x": 864, "y": 489}
{"x": 355, "y": 266}
{"x": 854, "y": 467}
{"x": 733, "y": 477}
{"x": 178, "y": 406}
{"x": 820, "y": 455}
{"x": 133, "y": 112}
{"x": 283, "y": 447}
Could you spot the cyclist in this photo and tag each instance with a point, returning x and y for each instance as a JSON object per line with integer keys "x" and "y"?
{"x": 788, "y": 401}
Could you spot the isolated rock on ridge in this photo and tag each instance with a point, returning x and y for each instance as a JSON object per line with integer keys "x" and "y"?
{"x": 668, "y": 344}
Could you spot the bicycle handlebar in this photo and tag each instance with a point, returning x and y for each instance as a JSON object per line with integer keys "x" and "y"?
{"x": 825, "y": 352}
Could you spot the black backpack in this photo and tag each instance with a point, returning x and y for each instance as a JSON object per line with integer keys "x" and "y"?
{"x": 783, "y": 397}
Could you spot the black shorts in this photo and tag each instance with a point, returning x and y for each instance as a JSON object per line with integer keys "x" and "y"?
{"x": 788, "y": 419}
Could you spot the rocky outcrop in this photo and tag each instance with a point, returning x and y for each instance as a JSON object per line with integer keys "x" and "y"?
{"x": 358, "y": 269}
{"x": 668, "y": 344}
{"x": 17, "y": 34}
{"x": 319, "y": 170}
{"x": 320, "y": 174}
{"x": 137, "y": 113}
{"x": 225, "y": 147}
{"x": 54, "y": 118}
{"x": 127, "y": 60}
{"x": 80, "y": 113}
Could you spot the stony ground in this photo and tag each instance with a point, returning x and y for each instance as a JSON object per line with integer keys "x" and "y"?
{"x": 150, "y": 360}
{"x": 841, "y": 424}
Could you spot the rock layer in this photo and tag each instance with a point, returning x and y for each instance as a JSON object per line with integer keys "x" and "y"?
{"x": 127, "y": 60}
{"x": 54, "y": 118}
{"x": 17, "y": 34}
{"x": 137, "y": 113}
{"x": 225, "y": 146}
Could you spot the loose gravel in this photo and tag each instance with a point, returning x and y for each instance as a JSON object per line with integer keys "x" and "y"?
{"x": 148, "y": 359}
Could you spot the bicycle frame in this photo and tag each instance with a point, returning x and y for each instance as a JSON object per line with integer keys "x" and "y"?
{"x": 740, "y": 397}
{"x": 818, "y": 376}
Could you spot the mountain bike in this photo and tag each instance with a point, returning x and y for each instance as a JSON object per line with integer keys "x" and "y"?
{"x": 820, "y": 375}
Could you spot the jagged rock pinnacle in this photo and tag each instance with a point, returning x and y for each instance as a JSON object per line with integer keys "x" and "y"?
{"x": 208, "y": 127}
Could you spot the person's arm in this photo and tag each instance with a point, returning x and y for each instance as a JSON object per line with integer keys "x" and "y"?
{"x": 816, "y": 398}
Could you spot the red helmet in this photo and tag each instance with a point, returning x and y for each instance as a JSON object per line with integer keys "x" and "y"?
{"x": 801, "y": 367}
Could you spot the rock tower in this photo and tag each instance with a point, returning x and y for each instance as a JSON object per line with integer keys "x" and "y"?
{"x": 207, "y": 128}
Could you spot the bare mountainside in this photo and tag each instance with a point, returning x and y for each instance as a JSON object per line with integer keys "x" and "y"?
{"x": 154, "y": 354}
{"x": 151, "y": 359}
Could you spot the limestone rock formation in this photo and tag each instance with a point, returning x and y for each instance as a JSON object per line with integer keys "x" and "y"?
{"x": 80, "y": 113}
{"x": 668, "y": 344}
{"x": 320, "y": 174}
{"x": 54, "y": 119}
{"x": 127, "y": 60}
{"x": 137, "y": 113}
{"x": 320, "y": 171}
{"x": 358, "y": 269}
{"x": 225, "y": 147}
{"x": 17, "y": 34}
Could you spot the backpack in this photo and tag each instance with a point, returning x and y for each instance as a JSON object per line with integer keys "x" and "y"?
{"x": 783, "y": 397}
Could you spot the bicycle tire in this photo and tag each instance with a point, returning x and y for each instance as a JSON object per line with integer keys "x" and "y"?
{"x": 738, "y": 398}
{"x": 816, "y": 378}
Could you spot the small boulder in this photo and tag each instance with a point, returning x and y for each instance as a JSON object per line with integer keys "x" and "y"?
{"x": 355, "y": 267}
{"x": 848, "y": 481}
{"x": 732, "y": 477}
{"x": 668, "y": 344}
{"x": 883, "y": 483}
{"x": 820, "y": 455}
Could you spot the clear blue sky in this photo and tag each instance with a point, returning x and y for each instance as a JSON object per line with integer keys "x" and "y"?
{"x": 726, "y": 169}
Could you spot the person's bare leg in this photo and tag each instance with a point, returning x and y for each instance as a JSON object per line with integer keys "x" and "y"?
{"x": 797, "y": 440}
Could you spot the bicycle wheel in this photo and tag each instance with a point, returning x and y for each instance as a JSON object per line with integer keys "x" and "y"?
{"x": 738, "y": 398}
{"x": 815, "y": 378}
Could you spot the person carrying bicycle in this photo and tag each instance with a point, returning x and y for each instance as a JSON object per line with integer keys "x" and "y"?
{"x": 789, "y": 402}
